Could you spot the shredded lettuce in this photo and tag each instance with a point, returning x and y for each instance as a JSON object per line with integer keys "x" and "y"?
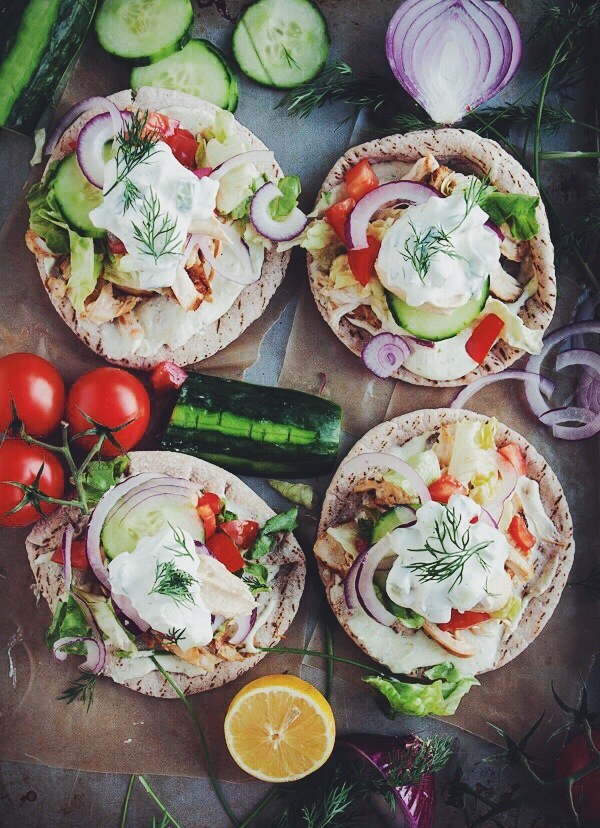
{"x": 300, "y": 493}
{"x": 484, "y": 487}
{"x": 515, "y": 332}
{"x": 440, "y": 698}
{"x": 515, "y": 209}
{"x": 109, "y": 625}
{"x": 318, "y": 237}
{"x": 468, "y": 459}
{"x": 425, "y": 463}
{"x": 510, "y": 611}
{"x": 68, "y": 620}
{"x": 86, "y": 267}
{"x": 486, "y": 436}
{"x": 45, "y": 217}
{"x": 101, "y": 475}
{"x": 290, "y": 190}
{"x": 346, "y": 534}
{"x": 265, "y": 540}
{"x": 408, "y": 617}
{"x": 39, "y": 138}
{"x": 223, "y": 140}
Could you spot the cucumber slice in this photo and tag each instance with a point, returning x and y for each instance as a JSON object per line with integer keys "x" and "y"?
{"x": 137, "y": 29}
{"x": 390, "y": 520}
{"x": 76, "y": 197}
{"x": 144, "y": 515}
{"x": 281, "y": 43}
{"x": 199, "y": 69}
{"x": 436, "y": 326}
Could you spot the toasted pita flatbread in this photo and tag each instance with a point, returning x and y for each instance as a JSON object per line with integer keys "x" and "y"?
{"x": 555, "y": 558}
{"x": 213, "y": 337}
{"x": 465, "y": 151}
{"x": 287, "y": 585}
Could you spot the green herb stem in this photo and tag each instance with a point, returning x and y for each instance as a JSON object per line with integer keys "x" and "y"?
{"x": 537, "y": 129}
{"x": 268, "y": 797}
{"x": 557, "y": 155}
{"x": 330, "y": 656}
{"x": 123, "y": 821}
{"x": 147, "y": 787}
{"x": 330, "y": 660}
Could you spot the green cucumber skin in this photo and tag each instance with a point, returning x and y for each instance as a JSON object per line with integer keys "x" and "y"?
{"x": 70, "y": 26}
{"x": 305, "y": 444}
{"x": 145, "y": 59}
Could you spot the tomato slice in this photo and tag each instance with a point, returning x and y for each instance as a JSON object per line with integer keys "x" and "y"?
{"x": 520, "y": 534}
{"x": 79, "y": 559}
{"x": 483, "y": 337}
{"x": 211, "y": 499}
{"x": 209, "y": 519}
{"x": 184, "y": 147}
{"x": 162, "y": 124}
{"x": 337, "y": 214}
{"x": 362, "y": 262}
{"x": 442, "y": 490}
{"x": 225, "y": 551}
{"x": 516, "y": 456}
{"x": 167, "y": 377}
{"x": 361, "y": 179}
{"x": 241, "y": 532}
{"x": 463, "y": 620}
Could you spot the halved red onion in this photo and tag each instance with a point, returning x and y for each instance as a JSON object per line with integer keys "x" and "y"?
{"x": 385, "y": 353}
{"x": 452, "y": 55}
{"x": 96, "y": 652}
{"x": 405, "y": 192}
{"x": 247, "y": 277}
{"x": 544, "y": 385}
{"x": 90, "y": 147}
{"x": 244, "y": 626}
{"x": 367, "y": 461}
{"x": 506, "y": 487}
{"x": 251, "y": 157}
{"x": 67, "y": 540}
{"x": 95, "y": 102}
{"x": 276, "y": 230}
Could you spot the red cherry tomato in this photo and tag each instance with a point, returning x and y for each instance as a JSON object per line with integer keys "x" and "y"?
{"x": 575, "y": 756}
{"x": 79, "y": 559}
{"x": 362, "y": 262}
{"x": 37, "y": 390}
{"x": 442, "y": 490}
{"x": 515, "y": 455}
{"x": 211, "y": 499}
{"x": 167, "y": 377}
{"x": 21, "y": 463}
{"x": 184, "y": 147}
{"x": 520, "y": 534}
{"x": 241, "y": 532}
{"x": 111, "y": 397}
{"x": 225, "y": 550}
{"x": 361, "y": 179}
{"x": 337, "y": 214}
{"x": 209, "y": 519}
{"x": 483, "y": 337}
{"x": 463, "y": 620}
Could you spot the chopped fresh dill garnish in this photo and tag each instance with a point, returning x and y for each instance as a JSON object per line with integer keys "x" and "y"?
{"x": 136, "y": 143}
{"x": 173, "y": 582}
{"x": 158, "y": 235}
{"x": 422, "y": 247}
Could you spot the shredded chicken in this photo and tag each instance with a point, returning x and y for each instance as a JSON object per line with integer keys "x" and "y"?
{"x": 185, "y": 292}
{"x": 385, "y": 493}
{"x": 57, "y": 286}
{"x": 503, "y": 285}
{"x": 438, "y": 177}
{"x": 421, "y": 168}
{"x": 444, "y": 446}
{"x": 332, "y": 554}
{"x": 511, "y": 249}
{"x": 36, "y": 244}
{"x": 519, "y": 565}
{"x": 366, "y": 314}
{"x": 449, "y": 642}
{"x": 107, "y": 306}
{"x": 198, "y": 656}
{"x": 226, "y": 651}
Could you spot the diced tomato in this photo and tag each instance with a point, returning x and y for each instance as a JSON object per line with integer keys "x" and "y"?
{"x": 241, "y": 532}
{"x": 165, "y": 126}
{"x": 225, "y": 550}
{"x": 167, "y": 377}
{"x": 202, "y": 172}
{"x": 337, "y": 214}
{"x": 184, "y": 147}
{"x": 516, "y": 456}
{"x": 520, "y": 534}
{"x": 463, "y": 620}
{"x": 483, "y": 337}
{"x": 79, "y": 559}
{"x": 211, "y": 499}
{"x": 361, "y": 179}
{"x": 209, "y": 519}
{"x": 442, "y": 490}
{"x": 116, "y": 246}
{"x": 362, "y": 262}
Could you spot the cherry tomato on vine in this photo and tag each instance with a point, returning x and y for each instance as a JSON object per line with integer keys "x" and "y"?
{"x": 575, "y": 756}
{"x": 37, "y": 390}
{"x": 21, "y": 463}
{"x": 110, "y": 397}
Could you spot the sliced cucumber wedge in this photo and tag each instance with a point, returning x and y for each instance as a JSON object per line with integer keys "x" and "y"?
{"x": 137, "y": 29}
{"x": 199, "y": 69}
{"x": 281, "y": 43}
{"x": 390, "y": 520}
{"x": 436, "y": 326}
{"x": 76, "y": 197}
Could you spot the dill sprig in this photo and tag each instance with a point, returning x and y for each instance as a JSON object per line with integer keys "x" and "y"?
{"x": 82, "y": 689}
{"x": 158, "y": 235}
{"x": 174, "y": 635}
{"x": 450, "y": 548}
{"x": 136, "y": 144}
{"x": 180, "y": 549}
{"x": 173, "y": 582}
{"x": 130, "y": 194}
{"x": 423, "y": 245}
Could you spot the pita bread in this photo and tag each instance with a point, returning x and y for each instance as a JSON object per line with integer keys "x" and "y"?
{"x": 464, "y": 150}
{"x": 287, "y": 585}
{"x": 248, "y": 306}
{"x": 340, "y": 505}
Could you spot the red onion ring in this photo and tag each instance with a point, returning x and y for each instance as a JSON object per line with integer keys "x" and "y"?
{"x": 127, "y": 608}
{"x": 244, "y": 627}
{"x": 406, "y": 192}
{"x": 509, "y": 477}
{"x": 589, "y": 423}
{"x": 544, "y": 385}
{"x": 95, "y": 102}
{"x": 485, "y": 517}
{"x": 96, "y": 650}
{"x": 251, "y": 157}
{"x": 350, "y": 593}
{"x": 66, "y": 542}
{"x": 202, "y": 172}
{"x": 90, "y": 147}
{"x": 216, "y": 621}
{"x": 385, "y": 353}
{"x": 248, "y": 277}
{"x": 365, "y": 589}
{"x": 274, "y": 229}
{"x": 494, "y": 227}
{"x": 368, "y": 460}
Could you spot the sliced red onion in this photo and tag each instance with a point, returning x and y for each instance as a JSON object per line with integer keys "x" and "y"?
{"x": 588, "y": 392}
{"x": 216, "y": 621}
{"x": 202, "y": 549}
{"x": 544, "y": 385}
{"x": 495, "y": 229}
{"x": 452, "y": 55}
{"x": 162, "y": 487}
{"x": 385, "y": 353}
{"x": 96, "y": 652}
{"x": 424, "y": 343}
{"x": 95, "y": 102}
{"x": 588, "y": 423}
{"x": 251, "y": 157}
{"x": 90, "y": 147}
{"x": 506, "y": 487}
{"x": 67, "y": 540}
{"x": 365, "y": 462}
{"x": 350, "y": 593}
{"x": 485, "y": 517}
{"x": 244, "y": 626}
{"x": 276, "y": 230}
{"x": 202, "y": 172}
{"x": 405, "y": 192}
{"x": 247, "y": 277}
{"x": 128, "y": 610}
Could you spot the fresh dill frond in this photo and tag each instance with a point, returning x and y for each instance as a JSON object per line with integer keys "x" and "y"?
{"x": 174, "y": 635}
{"x": 173, "y": 582}
{"x": 409, "y": 766}
{"x": 289, "y": 58}
{"x": 82, "y": 689}
{"x": 158, "y": 235}
{"x": 180, "y": 550}
{"x": 136, "y": 144}
{"x": 130, "y": 194}
{"x": 423, "y": 246}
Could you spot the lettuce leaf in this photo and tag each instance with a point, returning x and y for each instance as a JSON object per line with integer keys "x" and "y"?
{"x": 468, "y": 459}
{"x": 86, "y": 267}
{"x": 255, "y": 576}
{"x": 68, "y": 620}
{"x": 516, "y": 210}
{"x": 101, "y": 475}
{"x": 347, "y": 535}
{"x": 290, "y": 190}
{"x": 265, "y": 540}
{"x": 300, "y": 493}
{"x": 110, "y": 627}
{"x": 440, "y": 698}
{"x": 510, "y": 610}
{"x": 45, "y": 217}
{"x": 515, "y": 332}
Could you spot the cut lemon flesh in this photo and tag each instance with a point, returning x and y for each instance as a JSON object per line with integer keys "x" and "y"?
{"x": 279, "y": 728}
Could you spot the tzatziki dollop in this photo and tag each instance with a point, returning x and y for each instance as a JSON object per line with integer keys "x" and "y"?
{"x": 438, "y": 253}
{"x": 446, "y": 562}
{"x": 152, "y": 210}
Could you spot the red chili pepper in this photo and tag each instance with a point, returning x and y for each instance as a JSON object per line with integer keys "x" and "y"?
{"x": 483, "y": 337}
